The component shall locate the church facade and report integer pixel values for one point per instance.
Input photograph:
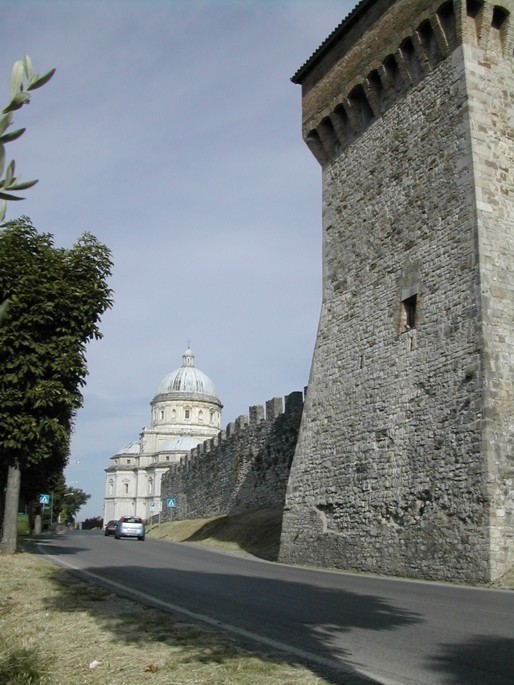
(185, 412)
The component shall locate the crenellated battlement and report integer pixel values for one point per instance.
(245, 466)
(364, 84)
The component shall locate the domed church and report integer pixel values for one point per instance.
(186, 411)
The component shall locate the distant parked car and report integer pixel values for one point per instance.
(130, 527)
(110, 528)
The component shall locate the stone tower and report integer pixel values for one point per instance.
(404, 463)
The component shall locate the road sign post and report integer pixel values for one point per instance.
(171, 504)
(156, 508)
(47, 500)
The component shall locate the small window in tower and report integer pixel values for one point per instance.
(186, 413)
(128, 461)
(408, 313)
(162, 414)
(200, 416)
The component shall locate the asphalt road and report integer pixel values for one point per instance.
(362, 629)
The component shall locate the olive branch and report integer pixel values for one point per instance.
(23, 81)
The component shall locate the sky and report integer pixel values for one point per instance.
(172, 132)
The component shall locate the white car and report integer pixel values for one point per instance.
(130, 527)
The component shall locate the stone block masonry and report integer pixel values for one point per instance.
(404, 462)
(245, 467)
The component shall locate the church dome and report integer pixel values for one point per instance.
(131, 448)
(187, 379)
(184, 443)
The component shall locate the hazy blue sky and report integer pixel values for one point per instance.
(172, 132)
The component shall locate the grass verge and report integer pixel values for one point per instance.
(58, 630)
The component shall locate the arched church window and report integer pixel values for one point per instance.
(212, 416)
(162, 414)
(111, 486)
(150, 486)
(200, 416)
(173, 414)
(187, 413)
(125, 487)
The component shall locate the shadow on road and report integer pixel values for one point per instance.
(312, 618)
(259, 600)
(482, 656)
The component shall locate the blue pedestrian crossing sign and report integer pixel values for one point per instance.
(171, 503)
(44, 499)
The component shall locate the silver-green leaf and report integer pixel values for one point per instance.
(20, 99)
(11, 198)
(14, 135)
(5, 122)
(16, 78)
(27, 64)
(37, 81)
(23, 186)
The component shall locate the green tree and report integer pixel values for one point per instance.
(67, 504)
(56, 298)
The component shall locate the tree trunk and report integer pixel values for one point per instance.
(12, 498)
(36, 530)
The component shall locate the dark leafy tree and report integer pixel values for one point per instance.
(56, 298)
(46, 476)
(95, 522)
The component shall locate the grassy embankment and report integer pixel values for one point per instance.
(256, 532)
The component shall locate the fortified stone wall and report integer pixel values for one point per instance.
(404, 458)
(245, 467)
